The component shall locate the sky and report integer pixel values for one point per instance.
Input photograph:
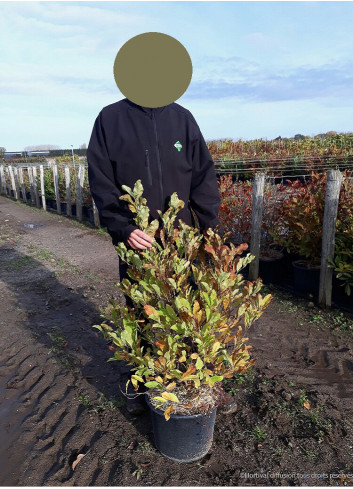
(260, 69)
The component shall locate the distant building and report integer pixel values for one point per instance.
(38, 153)
(12, 154)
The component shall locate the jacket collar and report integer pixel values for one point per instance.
(147, 110)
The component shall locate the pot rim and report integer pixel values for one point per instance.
(297, 263)
(279, 256)
(177, 416)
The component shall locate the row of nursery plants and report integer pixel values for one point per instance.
(292, 157)
(49, 184)
(334, 145)
(292, 220)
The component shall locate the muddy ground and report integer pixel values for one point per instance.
(60, 398)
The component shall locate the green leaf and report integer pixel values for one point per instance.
(199, 363)
(126, 336)
(158, 398)
(216, 378)
(151, 384)
(170, 396)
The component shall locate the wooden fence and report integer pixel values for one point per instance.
(11, 177)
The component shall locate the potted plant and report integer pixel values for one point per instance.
(235, 209)
(299, 230)
(343, 263)
(191, 306)
(235, 215)
(271, 255)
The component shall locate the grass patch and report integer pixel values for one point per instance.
(21, 262)
(58, 349)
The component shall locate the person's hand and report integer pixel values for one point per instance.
(138, 240)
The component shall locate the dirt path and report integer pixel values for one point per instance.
(60, 398)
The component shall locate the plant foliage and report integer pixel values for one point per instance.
(191, 306)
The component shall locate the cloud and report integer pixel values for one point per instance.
(253, 84)
(60, 15)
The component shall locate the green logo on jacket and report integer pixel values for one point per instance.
(178, 145)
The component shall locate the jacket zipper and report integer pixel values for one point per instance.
(148, 167)
(158, 159)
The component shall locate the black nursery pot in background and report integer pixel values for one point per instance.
(306, 280)
(85, 211)
(339, 295)
(271, 269)
(183, 438)
(91, 216)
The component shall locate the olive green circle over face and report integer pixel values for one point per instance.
(152, 69)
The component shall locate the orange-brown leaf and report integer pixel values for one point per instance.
(149, 309)
(78, 458)
(168, 412)
(190, 371)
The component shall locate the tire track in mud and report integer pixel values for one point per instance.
(43, 422)
(310, 357)
(47, 413)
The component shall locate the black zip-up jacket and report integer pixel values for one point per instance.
(164, 148)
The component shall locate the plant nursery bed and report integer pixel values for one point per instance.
(61, 401)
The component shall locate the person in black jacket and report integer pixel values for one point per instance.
(163, 147)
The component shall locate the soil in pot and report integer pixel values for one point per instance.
(306, 279)
(183, 438)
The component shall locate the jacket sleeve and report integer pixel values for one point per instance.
(114, 213)
(204, 194)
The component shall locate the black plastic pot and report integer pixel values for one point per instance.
(183, 438)
(85, 211)
(271, 269)
(91, 216)
(306, 280)
(49, 203)
(338, 293)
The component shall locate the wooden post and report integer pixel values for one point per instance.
(42, 188)
(256, 221)
(7, 180)
(79, 187)
(333, 187)
(15, 170)
(2, 180)
(23, 189)
(13, 182)
(30, 178)
(95, 214)
(56, 188)
(35, 186)
(68, 191)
